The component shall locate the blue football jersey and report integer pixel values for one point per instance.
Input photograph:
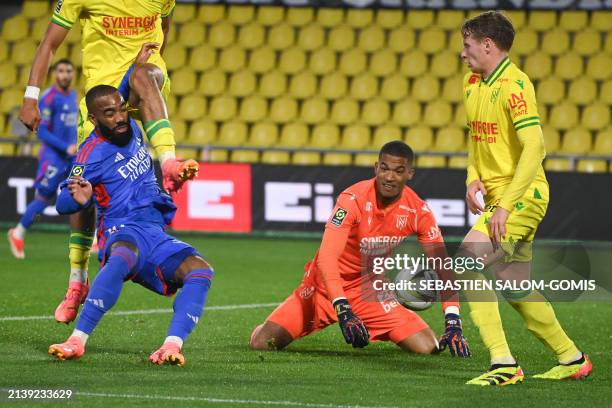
(58, 123)
(123, 180)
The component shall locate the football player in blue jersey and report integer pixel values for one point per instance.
(114, 171)
(58, 134)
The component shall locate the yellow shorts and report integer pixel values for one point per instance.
(85, 127)
(522, 222)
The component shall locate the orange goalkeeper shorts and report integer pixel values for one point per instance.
(308, 310)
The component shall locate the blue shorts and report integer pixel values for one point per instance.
(159, 254)
(49, 175)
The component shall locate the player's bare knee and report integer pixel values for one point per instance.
(426, 347)
(133, 248)
(145, 78)
(422, 342)
(269, 337)
(189, 264)
(84, 220)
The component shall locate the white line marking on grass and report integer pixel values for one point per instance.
(223, 401)
(146, 311)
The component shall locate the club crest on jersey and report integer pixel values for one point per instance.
(77, 170)
(401, 221)
(339, 216)
(494, 95)
(518, 104)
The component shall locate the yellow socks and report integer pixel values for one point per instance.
(79, 247)
(484, 311)
(160, 135)
(540, 319)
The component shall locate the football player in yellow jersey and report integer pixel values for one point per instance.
(506, 149)
(114, 33)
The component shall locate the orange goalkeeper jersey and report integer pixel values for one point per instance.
(358, 231)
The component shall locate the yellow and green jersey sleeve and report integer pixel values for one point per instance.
(521, 101)
(505, 146)
(67, 12)
(168, 8)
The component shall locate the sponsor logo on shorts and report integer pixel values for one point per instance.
(339, 217)
(77, 170)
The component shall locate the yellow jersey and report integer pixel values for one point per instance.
(506, 145)
(113, 32)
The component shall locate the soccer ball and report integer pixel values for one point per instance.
(413, 294)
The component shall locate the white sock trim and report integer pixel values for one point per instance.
(174, 339)
(20, 231)
(82, 335)
(78, 275)
(165, 156)
(575, 357)
(503, 360)
(451, 310)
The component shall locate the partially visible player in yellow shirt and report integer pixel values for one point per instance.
(506, 150)
(114, 33)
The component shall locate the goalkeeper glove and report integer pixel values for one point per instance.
(453, 337)
(353, 328)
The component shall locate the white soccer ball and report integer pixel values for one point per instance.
(411, 288)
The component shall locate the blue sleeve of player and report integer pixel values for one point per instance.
(44, 130)
(90, 171)
(124, 86)
(66, 204)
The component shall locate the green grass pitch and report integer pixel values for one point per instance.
(319, 371)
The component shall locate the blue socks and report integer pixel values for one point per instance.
(189, 302)
(34, 208)
(106, 288)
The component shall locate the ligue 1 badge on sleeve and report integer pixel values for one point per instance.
(59, 5)
(339, 216)
(77, 170)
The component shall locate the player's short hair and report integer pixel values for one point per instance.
(97, 92)
(399, 149)
(65, 61)
(490, 24)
